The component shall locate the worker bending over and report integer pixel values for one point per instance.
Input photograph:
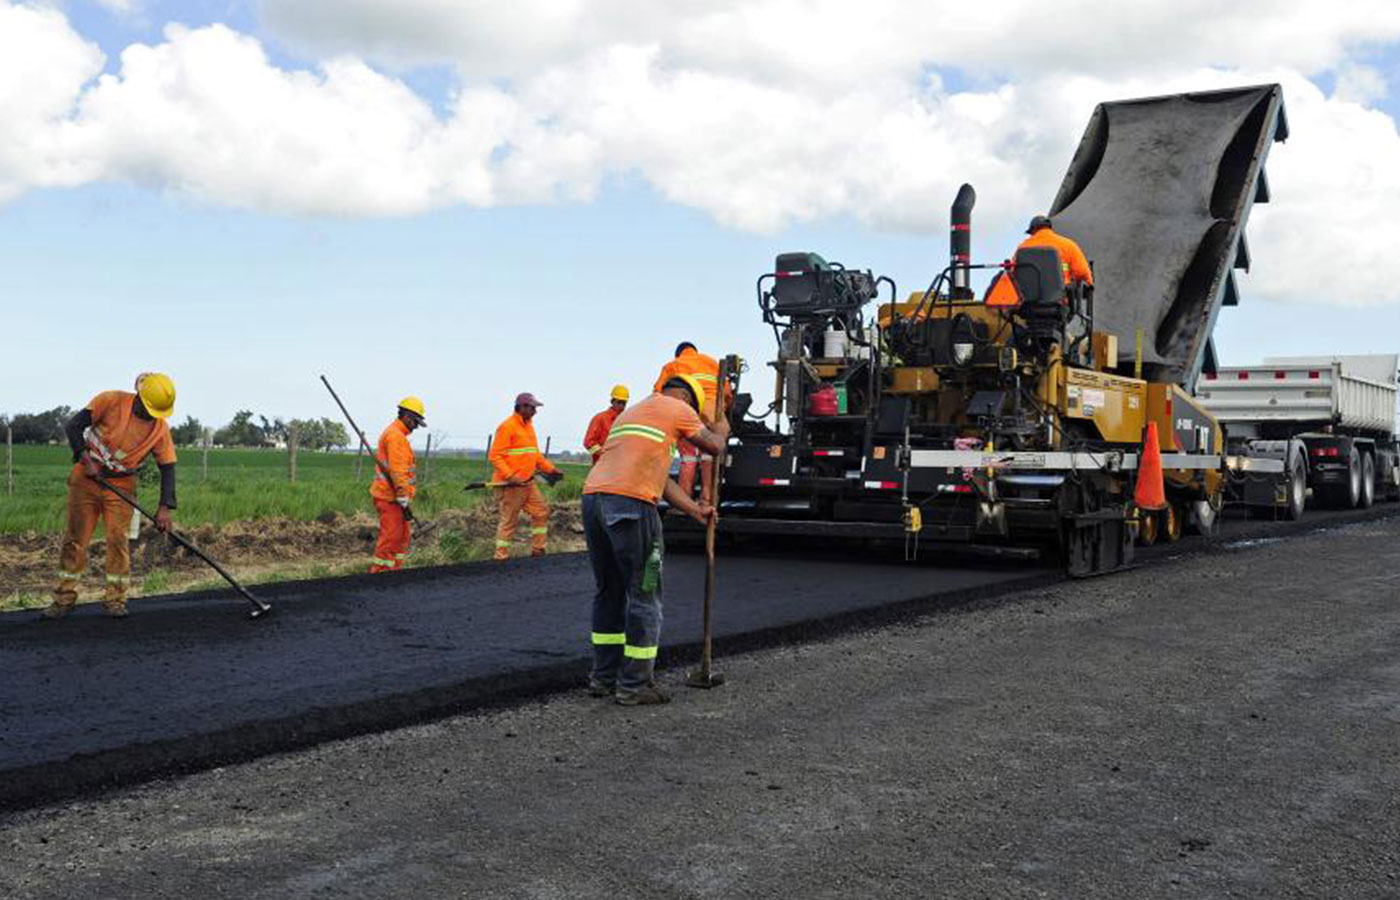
(515, 460)
(705, 370)
(111, 437)
(393, 494)
(1073, 262)
(623, 530)
(602, 423)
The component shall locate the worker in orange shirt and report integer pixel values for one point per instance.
(393, 494)
(623, 529)
(111, 437)
(1072, 259)
(601, 424)
(515, 460)
(705, 370)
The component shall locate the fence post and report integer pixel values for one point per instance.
(292, 455)
(547, 439)
(204, 464)
(9, 459)
(359, 461)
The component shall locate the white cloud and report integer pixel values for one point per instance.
(44, 64)
(763, 112)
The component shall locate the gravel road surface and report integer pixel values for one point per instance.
(1223, 724)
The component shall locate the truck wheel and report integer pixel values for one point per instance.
(1297, 491)
(1368, 482)
(1353, 495)
(1170, 525)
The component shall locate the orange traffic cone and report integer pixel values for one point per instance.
(1150, 493)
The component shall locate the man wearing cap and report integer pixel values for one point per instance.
(601, 424)
(395, 486)
(1072, 259)
(622, 526)
(515, 460)
(111, 437)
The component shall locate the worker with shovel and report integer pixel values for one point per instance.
(394, 486)
(515, 461)
(623, 529)
(111, 437)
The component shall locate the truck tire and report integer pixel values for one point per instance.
(1347, 495)
(1367, 495)
(1297, 490)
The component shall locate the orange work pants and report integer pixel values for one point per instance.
(394, 537)
(513, 500)
(87, 503)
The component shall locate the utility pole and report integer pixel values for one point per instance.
(9, 459)
(204, 465)
(427, 458)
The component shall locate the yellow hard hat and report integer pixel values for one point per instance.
(696, 389)
(157, 393)
(413, 405)
(619, 392)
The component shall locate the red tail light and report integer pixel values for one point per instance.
(1314, 374)
(1326, 451)
(1244, 376)
(1280, 375)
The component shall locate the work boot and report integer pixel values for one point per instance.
(57, 610)
(599, 689)
(115, 609)
(651, 695)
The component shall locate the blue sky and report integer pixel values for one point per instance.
(467, 304)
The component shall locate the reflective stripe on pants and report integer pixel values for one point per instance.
(621, 532)
(512, 500)
(87, 504)
(394, 537)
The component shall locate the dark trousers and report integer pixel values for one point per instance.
(621, 532)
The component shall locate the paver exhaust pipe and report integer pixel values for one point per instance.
(960, 241)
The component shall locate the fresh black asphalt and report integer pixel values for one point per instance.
(190, 682)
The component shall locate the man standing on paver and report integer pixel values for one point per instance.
(393, 499)
(623, 529)
(515, 460)
(111, 437)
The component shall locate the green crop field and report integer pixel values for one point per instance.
(248, 484)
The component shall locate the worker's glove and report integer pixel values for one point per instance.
(90, 467)
(554, 477)
(407, 509)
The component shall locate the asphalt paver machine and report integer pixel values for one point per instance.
(1014, 423)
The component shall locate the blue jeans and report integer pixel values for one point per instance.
(621, 532)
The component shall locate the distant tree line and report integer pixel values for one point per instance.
(310, 434)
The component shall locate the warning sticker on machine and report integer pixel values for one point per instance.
(1091, 399)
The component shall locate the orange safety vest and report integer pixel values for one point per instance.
(705, 369)
(515, 451)
(395, 453)
(1072, 259)
(597, 433)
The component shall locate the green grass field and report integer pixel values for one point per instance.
(248, 484)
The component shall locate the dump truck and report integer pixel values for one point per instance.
(1013, 429)
(1329, 420)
